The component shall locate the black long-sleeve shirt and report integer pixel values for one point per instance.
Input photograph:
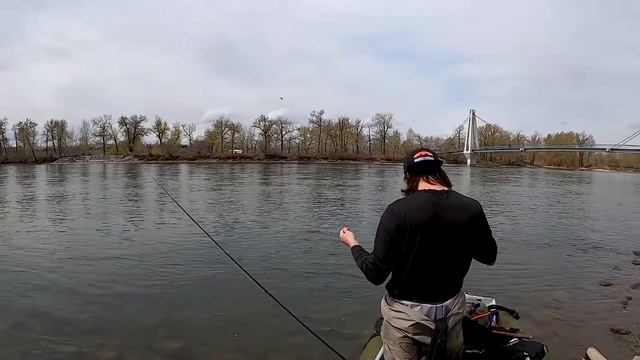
(426, 241)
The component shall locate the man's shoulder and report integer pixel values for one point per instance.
(417, 198)
(465, 200)
(397, 204)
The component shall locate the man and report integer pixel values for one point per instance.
(426, 241)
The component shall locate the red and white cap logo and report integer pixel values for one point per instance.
(422, 156)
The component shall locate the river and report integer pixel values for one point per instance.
(97, 262)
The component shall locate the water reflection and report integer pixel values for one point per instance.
(132, 196)
(7, 182)
(97, 261)
(26, 196)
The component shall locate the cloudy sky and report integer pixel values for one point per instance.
(526, 65)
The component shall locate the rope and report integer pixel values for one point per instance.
(255, 281)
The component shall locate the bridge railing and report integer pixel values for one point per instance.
(559, 146)
(516, 147)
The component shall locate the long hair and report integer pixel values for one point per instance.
(439, 178)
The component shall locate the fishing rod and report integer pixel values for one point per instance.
(255, 281)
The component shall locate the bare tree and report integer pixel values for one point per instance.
(210, 137)
(583, 139)
(4, 141)
(48, 132)
(56, 132)
(85, 136)
(305, 139)
(395, 139)
(27, 132)
(64, 133)
(457, 134)
(250, 139)
(491, 134)
(221, 128)
(330, 136)
(383, 123)
(519, 139)
(124, 123)
(290, 139)
(60, 134)
(433, 142)
(283, 128)
(235, 131)
(47, 136)
(189, 130)
(316, 119)
(73, 138)
(160, 128)
(133, 129)
(535, 139)
(412, 140)
(175, 136)
(101, 132)
(266, 128)
(369, 126)
(343, 124)
(113, 131)
(358, 133)
(16, 138)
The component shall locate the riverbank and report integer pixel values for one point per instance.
(594, 169)
(242, 158)
(203, 160)
(559, 168)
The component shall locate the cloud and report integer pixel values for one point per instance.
(524, 65)
(278, 112)
(210, 115)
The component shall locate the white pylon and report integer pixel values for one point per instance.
(471, 141)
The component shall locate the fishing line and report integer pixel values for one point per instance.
(255, 281)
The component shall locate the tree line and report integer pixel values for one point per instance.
(494, 135)
(319, 137)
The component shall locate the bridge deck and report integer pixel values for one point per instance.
(630, 149)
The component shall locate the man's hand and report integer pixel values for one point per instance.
(347, 237)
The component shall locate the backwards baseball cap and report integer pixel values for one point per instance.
(422, 161)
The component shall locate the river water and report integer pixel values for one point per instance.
(97, 262)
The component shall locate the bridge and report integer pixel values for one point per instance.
(472, 146)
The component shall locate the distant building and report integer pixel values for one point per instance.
(237, 151)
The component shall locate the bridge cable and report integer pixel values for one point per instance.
(464, 122)
(627, 139)
(255, 281)
(483, 120)
(452, 137)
